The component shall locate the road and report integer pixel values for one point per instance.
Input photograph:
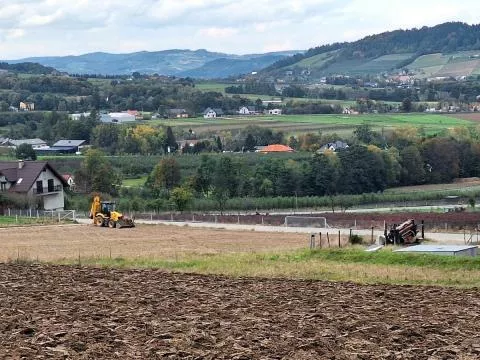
(440, 238)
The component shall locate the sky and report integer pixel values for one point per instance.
(73, 27)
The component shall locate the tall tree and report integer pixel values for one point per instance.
(165, 175)
(96, 174)
(413, 166)
(250, 143)
(25, 152)
(225, 181)
(203, 179)
(170, 142)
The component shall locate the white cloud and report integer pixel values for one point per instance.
(60, 27)
(215, 32)
(15, 33)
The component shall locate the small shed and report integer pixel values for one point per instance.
(449, 250)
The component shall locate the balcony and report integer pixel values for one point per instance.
(48, 190)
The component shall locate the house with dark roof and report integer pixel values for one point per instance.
(178, 113)
(334, 146)
(210, 113)
(78, 145)
(37, 180)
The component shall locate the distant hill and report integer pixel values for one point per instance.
(27, 68)
(449, 49)
(226, 67)
(199, 63)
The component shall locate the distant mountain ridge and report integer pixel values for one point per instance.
(198, 63)
(438, 50)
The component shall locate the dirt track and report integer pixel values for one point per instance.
(72, 313)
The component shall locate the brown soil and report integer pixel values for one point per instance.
(472, 116)
(52, 312)
(68, 242)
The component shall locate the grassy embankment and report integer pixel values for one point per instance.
(7, 221)
(352, 264)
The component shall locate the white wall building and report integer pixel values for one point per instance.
(117, 118)
(36, 180)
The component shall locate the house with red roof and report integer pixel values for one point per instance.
(276, 148)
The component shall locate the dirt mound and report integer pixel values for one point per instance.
(85, 313)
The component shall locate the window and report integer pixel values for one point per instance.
(39, 187)
(3, 186)
(51, 185)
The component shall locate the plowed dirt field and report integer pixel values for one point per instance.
(54, 312)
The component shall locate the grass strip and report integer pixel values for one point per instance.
(355, 265)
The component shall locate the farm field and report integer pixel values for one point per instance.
(466, 185)
(230, 252)
(470, 117)
(138, 182)
(60, 312)
(325, 123)
(53, 243)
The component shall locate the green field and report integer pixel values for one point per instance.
(340, 124)
(314, 61)
(135, 183)
(212, 86)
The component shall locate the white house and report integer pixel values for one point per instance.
(210, 113)
(36, 180)
(247, 110)
(117, 118)
(79, 116)
(334, 146)
(275, 112)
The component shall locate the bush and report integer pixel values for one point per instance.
(356, 240)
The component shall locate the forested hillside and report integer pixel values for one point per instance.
(446, 38)
(27, 68)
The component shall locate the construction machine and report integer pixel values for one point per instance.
(405, 233)
(104, 213)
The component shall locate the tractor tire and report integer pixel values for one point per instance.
(112, 224)
(98, 221)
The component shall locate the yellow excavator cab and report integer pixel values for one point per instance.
(104, 213)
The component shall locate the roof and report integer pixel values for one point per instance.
(436, 248)
(69, 143)
(218, 111)
(66, 177)
(249, 108)
(29, 174)
(57, 148)
(277, 148)
(335, 145)
(35, 141)
(177, 111)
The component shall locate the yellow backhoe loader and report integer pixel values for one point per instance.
(103, 213)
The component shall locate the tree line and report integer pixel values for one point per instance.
(369, 165)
